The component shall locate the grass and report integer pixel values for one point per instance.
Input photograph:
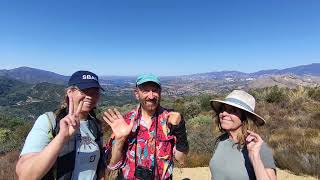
(7, 165)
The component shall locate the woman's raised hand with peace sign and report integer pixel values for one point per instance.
(71, 123)
(121, 129)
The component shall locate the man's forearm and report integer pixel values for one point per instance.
(117, 151)
(182, 145)
(180, 157)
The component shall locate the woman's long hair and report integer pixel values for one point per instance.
(247, 124)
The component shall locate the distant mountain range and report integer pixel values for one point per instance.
(27, 92)
(33, 76)
(19, 99)
(211, 82)
(303, 70)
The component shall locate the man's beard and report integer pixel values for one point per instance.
(149, 105)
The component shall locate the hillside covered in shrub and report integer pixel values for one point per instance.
(292, 128)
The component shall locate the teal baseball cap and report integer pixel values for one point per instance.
(148, 78)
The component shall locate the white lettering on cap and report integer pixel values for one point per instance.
(89, 77)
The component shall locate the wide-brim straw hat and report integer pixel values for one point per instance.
(242, 100)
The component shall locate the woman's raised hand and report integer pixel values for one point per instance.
(71, 123)
(254, 143)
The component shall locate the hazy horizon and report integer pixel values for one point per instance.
(154, 73)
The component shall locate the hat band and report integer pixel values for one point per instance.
(240, 103)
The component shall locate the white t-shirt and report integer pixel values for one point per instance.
(87, 150)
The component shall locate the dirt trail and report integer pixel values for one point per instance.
(203, 173)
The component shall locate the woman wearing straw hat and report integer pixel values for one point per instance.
(239, 152)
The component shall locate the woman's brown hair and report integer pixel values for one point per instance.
(247, 124)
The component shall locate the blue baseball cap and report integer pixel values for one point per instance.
(84, 80)
(148, 78)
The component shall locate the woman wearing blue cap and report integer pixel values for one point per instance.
(240, 153)
(67, 143)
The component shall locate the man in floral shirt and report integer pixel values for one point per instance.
(146, 139)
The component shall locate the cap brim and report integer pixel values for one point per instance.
(216, 106)
(89, 85)
(148, 80)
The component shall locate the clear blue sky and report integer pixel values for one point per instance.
(166, 37)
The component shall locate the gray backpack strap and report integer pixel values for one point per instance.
(52, 123)
(52, 174)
